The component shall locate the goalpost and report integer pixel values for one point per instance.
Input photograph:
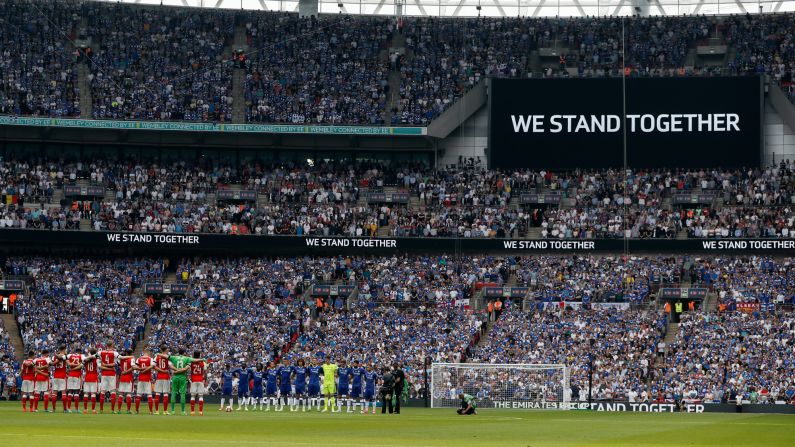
(501, 386)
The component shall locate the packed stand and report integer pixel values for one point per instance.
(590, 279)
(437, 280)
(161, 64)
(38, 75)
(759, 281)
(9, 366)
(459, 203)
(169, 63)
(718, 358)
(763, 44)
(741, 222)
(619, 343)
(318, 70)
(333, 199)
(239, 312)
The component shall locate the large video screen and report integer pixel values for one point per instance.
(583, 123)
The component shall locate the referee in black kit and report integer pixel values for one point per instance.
(387, 386)
(400, 380)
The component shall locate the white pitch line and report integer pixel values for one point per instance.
(214, 441)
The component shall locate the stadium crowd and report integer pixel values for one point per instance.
(754, 279)
(9, 366)
(37, 72)
(331, 70)
(163, 64)
(619, 343)
(720, 357)
(178, 63)
(590, 279)
(337, 199)
(246, 311)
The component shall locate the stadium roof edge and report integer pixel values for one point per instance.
(497, 8)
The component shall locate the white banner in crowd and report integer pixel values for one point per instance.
(577, 305)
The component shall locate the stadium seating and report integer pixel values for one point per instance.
(163, 64)
(619, 344)
(334, 199)
(329, 71)
(337, 69)
(715, 357)
(38, 76)
(8, 361)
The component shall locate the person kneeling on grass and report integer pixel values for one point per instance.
(468, 404)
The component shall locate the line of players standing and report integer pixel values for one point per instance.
(107, 373)
(299, 386)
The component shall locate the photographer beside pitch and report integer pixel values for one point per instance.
(468, 404)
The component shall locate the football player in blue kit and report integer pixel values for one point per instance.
(271, 376)
(314, 384)
(299, 385)
(243, 375)
(370, 382)
(226, 386)
(257, 377)
(356, 385)
(285, 385)
(343, 386)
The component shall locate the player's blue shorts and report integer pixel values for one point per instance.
(226, 393)
(242, 393)
(299, 389)
(342, 389)
(314, 389)
(369, 393)
(356, 391)
(270, 390)
(285, 390)
(257, 392)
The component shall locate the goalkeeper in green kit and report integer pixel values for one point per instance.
(179, 364)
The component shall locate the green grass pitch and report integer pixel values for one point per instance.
(415, 428)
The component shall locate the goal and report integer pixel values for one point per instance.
(501, 386)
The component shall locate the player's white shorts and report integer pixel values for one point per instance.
(58, 385)
(125, 387)
(162, 386)
(108, 383)
(90, 387)
(27, 386)
(73, 383)
(41, 387)
(144, 388)
(197, 388)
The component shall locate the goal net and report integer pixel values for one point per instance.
(500, 386)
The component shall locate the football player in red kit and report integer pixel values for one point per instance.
(91, 380)
(41, 383)
(198, 369)
(74, 375)
(125, 379)
(163, 381)
(108, 358)
(58, 362)
(144, 365)
(28, 376)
